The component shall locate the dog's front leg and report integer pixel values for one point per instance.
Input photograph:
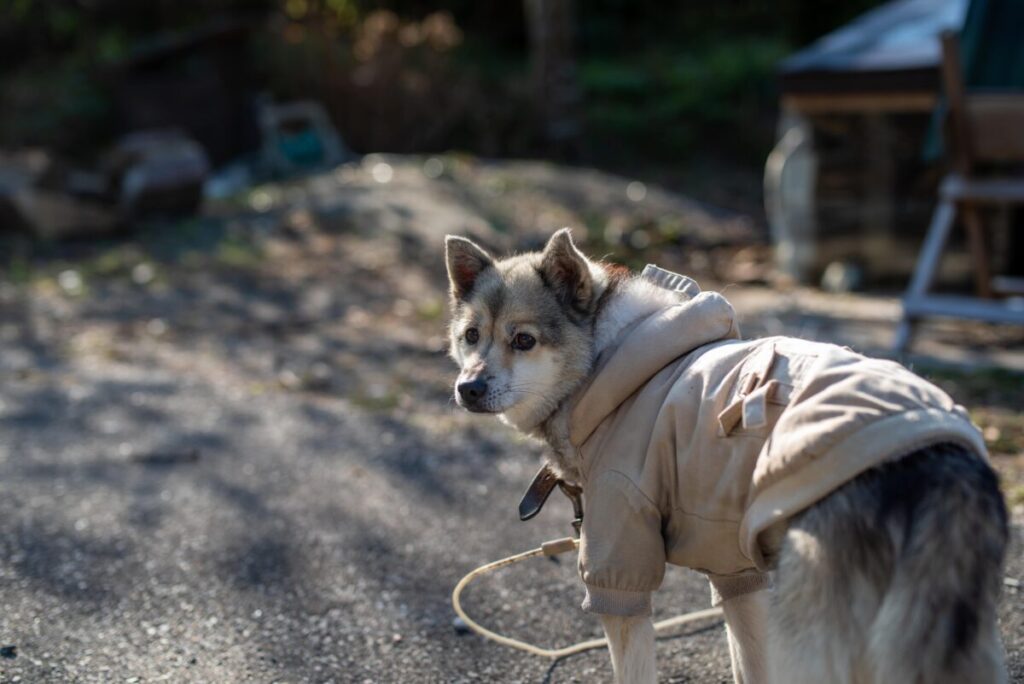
(746, 620)
(631, 643)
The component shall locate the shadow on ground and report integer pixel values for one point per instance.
(241, 463)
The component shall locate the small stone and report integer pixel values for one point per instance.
(70, 281)
(460, 626)
(143, 273)
(289, 379)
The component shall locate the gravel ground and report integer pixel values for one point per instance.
(246, 467)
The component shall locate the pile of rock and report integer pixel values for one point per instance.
(146, 173)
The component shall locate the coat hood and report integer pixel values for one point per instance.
(649, 345)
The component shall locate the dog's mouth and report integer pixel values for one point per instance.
(474, 407)
(479, 409)
(478, 406)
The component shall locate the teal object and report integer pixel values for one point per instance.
(992, 50)
(303, 148)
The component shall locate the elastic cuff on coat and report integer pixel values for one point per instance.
(725, 587)
(616, 602)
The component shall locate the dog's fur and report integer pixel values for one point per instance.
(892, 578)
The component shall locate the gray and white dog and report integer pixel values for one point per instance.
(893, 577)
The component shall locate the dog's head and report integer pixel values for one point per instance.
(521, 327)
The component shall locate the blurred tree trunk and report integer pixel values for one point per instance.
(550, 25)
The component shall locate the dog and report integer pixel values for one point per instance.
(842, 508)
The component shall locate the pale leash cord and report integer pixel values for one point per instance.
(551, 548)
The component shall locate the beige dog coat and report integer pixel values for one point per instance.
(694, 443)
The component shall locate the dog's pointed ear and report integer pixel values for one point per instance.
(567, 271)
(466, 261)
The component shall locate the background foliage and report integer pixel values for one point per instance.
(663, 80)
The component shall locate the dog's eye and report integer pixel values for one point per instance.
(523, 341)
(472, 336)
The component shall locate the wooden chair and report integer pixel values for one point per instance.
(982, 129)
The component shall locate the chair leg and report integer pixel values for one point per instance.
(924, 271)
(904, 331)
(979, 250)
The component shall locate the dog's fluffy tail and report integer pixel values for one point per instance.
(895, 577)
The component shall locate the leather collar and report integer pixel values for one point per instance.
(544, 482)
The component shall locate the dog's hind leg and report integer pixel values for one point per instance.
(895, 577)
(631, 644)
(820, 611)
(948, 523)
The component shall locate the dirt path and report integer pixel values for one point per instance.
(239, 462)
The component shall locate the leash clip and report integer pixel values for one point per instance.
(575, 495)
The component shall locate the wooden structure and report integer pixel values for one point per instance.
(982, 129)
(201, 81)
(846, 182)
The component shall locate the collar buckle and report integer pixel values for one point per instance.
(540, 489)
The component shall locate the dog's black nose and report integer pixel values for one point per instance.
(472, 391)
